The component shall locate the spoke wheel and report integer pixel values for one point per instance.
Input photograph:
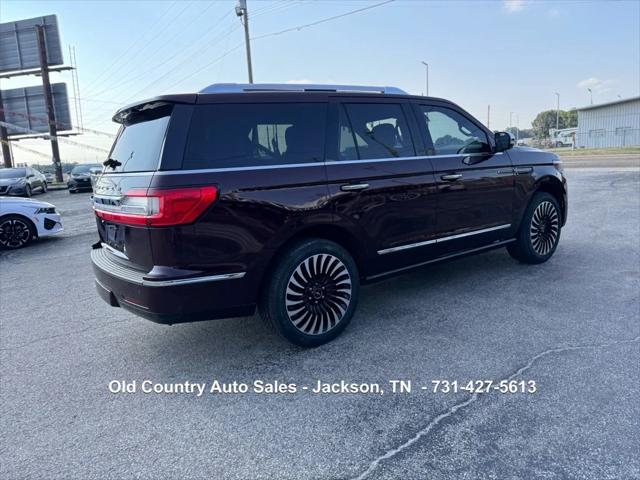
(545, 227)
(318, 294)
(14, 233)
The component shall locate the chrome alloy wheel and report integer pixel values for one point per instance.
(318, 294)
(14, 233)
(545, 227)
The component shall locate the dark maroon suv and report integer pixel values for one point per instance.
(289, 197)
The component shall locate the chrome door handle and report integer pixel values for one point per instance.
(523, 170)
(451, 177)
(354, 186)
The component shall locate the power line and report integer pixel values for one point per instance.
(27, 149)
(169, 72)
(300, 27)
(98, 80)
(118, 85)
(159, 32)
(47, 136)
(318, 22)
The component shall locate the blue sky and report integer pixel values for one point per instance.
(512, 55)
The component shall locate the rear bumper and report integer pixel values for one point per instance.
(170, 300)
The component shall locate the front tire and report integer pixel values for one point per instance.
(539, 231)
(44, 187)
(15, 232)
(27, 191)
(312, 293)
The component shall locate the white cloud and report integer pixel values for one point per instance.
(597, 85)
(513, 6)
(302, 80)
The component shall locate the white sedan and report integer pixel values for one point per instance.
(23, 219)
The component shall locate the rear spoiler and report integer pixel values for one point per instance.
(151, 103)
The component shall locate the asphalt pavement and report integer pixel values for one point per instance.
(571, 325)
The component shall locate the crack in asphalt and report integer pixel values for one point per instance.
(452, 410)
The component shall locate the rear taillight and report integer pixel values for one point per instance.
(158, 208)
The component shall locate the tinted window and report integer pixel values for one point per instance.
(379, 131)
(452, 133)
(12, 172)
(236, 135)
(140, 141)
(347, 149)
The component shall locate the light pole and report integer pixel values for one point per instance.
(557, 110)
(591, 94)
(241, 11)
(427, 76)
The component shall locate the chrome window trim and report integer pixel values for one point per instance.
(308, 164)
(442, 239)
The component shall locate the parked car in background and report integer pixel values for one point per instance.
(22, 220)
(288, 197)
(49, 177)
(23, 181)
(80, 177)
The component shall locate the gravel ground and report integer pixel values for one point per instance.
(571, 325)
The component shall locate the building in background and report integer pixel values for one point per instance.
(611, 124)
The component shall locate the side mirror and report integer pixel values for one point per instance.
(31, 175)
(504, 141)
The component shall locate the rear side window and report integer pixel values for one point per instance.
(139, 143)
(374, 131)
(239, 135)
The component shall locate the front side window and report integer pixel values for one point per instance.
(238, 135)
(452, 133)
(370, 131)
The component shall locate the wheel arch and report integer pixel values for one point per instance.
(553, 186)
(334, 233)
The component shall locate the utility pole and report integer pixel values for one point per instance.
(241, 11)
(4, 137)
(511, 122)
(427, 76)
(591, 94)
(557, 111)
(48, 97)
(489, 116)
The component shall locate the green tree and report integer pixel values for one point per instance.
(546, 120)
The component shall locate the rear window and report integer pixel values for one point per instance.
(239, 135)
(139, 143)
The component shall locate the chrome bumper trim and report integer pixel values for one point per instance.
(103, 262)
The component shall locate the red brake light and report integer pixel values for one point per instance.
(158, 208)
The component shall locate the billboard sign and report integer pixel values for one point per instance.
(19, 43)
(26, 109)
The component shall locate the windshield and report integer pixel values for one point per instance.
(13, 172)
(84, 168)
(140, 141)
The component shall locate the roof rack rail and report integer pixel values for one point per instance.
(296, 87)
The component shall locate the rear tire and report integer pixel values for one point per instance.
(16, 232)
(312, 293)
(539, 231)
